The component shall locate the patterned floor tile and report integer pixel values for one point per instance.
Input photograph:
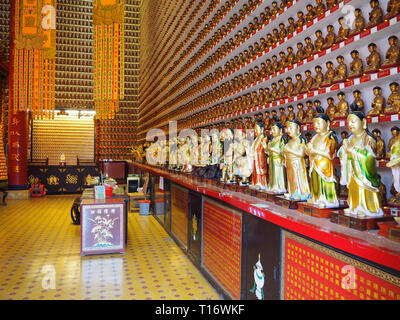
(38, 239)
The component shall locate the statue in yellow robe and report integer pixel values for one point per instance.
(322, 152)
(294, 153)
(359, 170)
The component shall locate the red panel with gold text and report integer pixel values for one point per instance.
(180, 214)
(222, 246)
(314, 272)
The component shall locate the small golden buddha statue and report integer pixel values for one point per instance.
(309, 112)
(319, 42)
(331, 109)
(292, 27)
(380, 145)
(358, 101)
(275, 8)
(356, 66)
(268, 13)
(283, 61)
(330, 38)
(291, 115)
(255, 99)
(282, 31)
(309, 48)
(376, 14)
(289, 87)
(343, 31)
(331, 3)
(342, 107)
(300, 55)
(268, 67)
(282, 116)
(378, 104)
(275, 35)
(273, 116)
(274, 91)
(267, 120)
(340, 71)
(268, 98)
(300, 113)
(290, 58)
(319, 8)
(281, 90)
(310, 15)
(344, 135)
(373, 60)
(318, 78)
(393, 53)
(308, 82)
(329, 75)
(284, 4)
(261, 95)
(275, 64)
(263, 71)
(270, 40)
(395, 136)
(359, 22)
(393, 9)
(263, 19)
(298, 89)
(263, 45)
(393, 101)
(300, 20)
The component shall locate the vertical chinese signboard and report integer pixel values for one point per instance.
(102, 226)
(180, 212)
(222, 246)
(17, 150)
(313, 272)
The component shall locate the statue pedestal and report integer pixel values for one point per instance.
(260, 194)
(354, 76)
(392, 210)
(313, 211)
(230, 186)
(354, 222)
(392, 65)
(243, 189)
(384, 227)
(271, 196)
(367, 72)
(288, 203)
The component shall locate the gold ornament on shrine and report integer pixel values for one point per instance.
(34, 57)
(109, 53)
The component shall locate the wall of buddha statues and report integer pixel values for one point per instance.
(74, 71)
(115, 137)
(249, 60)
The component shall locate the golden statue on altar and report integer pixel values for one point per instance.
(294, 152)
(359, 169)
(322, 152)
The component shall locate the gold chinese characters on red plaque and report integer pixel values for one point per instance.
(109, 53)
(34, 56)
(313, 272)
(222, 246)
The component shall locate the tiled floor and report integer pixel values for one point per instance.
(38, 240)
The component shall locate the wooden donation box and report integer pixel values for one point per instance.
(102, 226)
